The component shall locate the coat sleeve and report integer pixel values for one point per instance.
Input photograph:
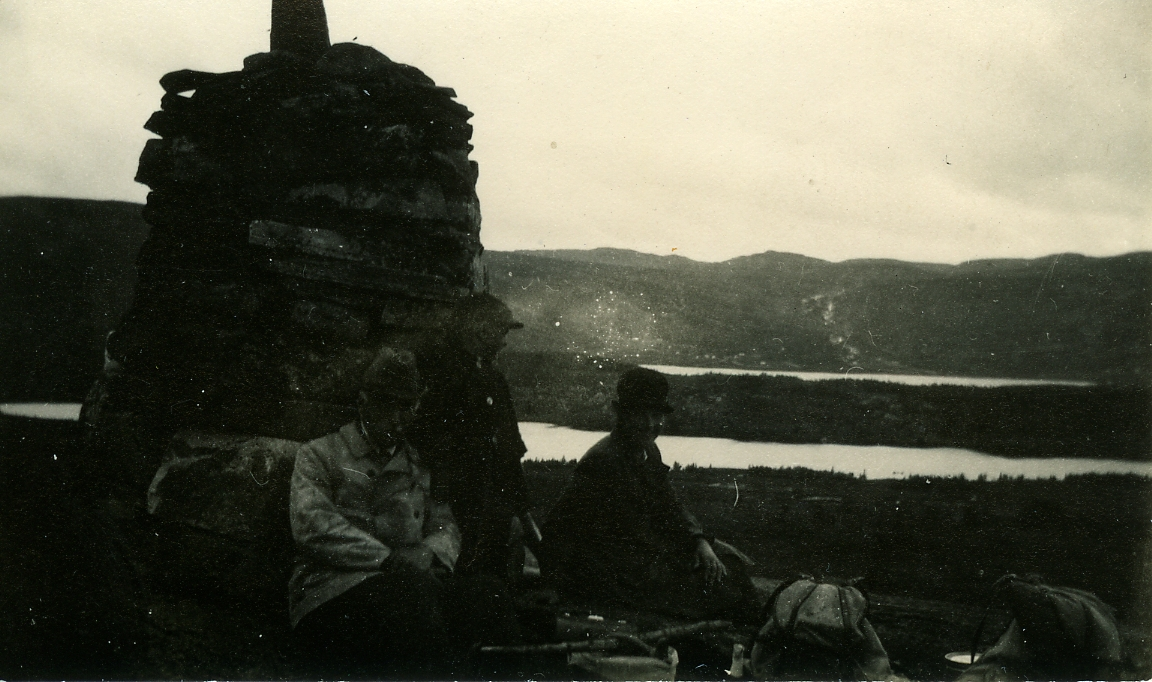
(676, 519)
(587, 511)
(687, 521)
(512, 447)
(441, 535)
(321, 531)
(563, 530)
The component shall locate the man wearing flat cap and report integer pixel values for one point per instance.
(372, 592)
(619, 535)
(470, 435)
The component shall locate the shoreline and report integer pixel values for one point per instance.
(555, 443)
(1105, 422)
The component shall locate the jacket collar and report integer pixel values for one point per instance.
(458, 358)
(634, 449)
(360, 447)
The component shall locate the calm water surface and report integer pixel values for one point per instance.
(549, 442)
(546, 441)
(909, 379)
(64, 411)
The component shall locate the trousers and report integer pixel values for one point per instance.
(404, 623)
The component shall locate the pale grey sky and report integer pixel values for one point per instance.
(920, 131)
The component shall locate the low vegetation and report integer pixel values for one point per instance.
(929, 538)
(928, 549)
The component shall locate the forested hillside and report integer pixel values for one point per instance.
(1063, 316)
(67, 275)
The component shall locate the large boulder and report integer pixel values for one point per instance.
(222, 501)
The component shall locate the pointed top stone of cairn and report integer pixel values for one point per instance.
(301, 27)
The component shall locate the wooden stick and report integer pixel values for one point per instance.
(680, 630)
(601, 644)
(611, 641)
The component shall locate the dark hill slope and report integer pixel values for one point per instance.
(67, 276)
(1063, 316)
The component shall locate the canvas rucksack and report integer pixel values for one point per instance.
(1055, 633)
(818, 630)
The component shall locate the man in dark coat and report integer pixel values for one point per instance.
(620, 536)
(469, 433)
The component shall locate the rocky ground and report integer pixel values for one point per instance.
(92, 589)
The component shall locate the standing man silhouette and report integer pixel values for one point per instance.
(470, 435)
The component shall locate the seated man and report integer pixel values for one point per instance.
(619, 536)
(371, 592)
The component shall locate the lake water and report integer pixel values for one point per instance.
(546, 442)
(65, 411)
(909, 379)
(549, 442)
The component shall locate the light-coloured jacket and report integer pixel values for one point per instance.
(350, 505)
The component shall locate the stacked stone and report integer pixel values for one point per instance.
(303, 211)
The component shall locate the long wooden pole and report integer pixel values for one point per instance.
(610, 642)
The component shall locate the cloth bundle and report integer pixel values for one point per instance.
(1055, 633)
(818, 630)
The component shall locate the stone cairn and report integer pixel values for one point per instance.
(305, 211)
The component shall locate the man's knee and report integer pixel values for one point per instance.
(389, 617)
(480, 609)
(410, 600)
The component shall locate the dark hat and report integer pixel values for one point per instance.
(392, 373)
(643, 388)
(484, 308)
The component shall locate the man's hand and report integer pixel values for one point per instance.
(417, 556)
(714, 569)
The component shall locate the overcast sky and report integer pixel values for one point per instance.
(918, 131)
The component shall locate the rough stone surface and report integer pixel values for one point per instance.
(219, 504)
(228, 485)
(305, 211)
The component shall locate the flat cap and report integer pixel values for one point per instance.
(392, 373)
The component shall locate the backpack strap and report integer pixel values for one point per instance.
(845, 628)
(1089, 628)
(856, 583)
(791, 629)
(771, 603)
(997, 589)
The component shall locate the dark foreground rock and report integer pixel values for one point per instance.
(92, 588)
(96, 588)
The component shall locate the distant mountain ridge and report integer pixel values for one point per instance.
(68, 274)
(1063, 316)
(66, 277)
